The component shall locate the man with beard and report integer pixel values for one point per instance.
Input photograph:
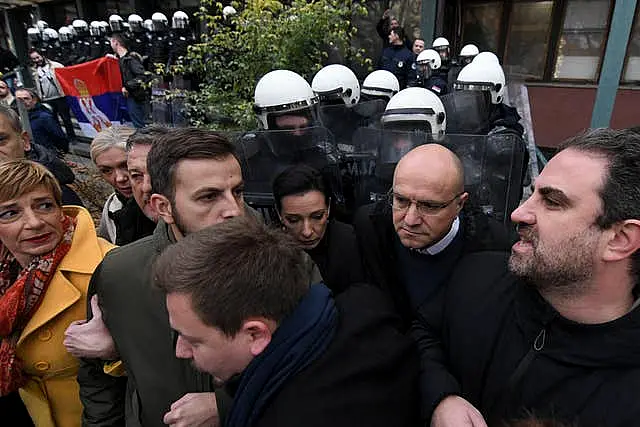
(197, 182)
(553, 329)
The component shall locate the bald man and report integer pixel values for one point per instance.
(411, 242)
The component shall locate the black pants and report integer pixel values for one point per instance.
(61, 109)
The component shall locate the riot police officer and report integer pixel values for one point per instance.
(467, 53)
(380, 85)
(83, 43)
(181, 38)
(116, 24)
(286, 108)
(137, 36)
(441, 45)
(96, 46)
(68, 54)
(428, 67)
(159, 41)
(485, 74)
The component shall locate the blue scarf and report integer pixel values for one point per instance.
(300, 339)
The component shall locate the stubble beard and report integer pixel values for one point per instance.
(564, 270)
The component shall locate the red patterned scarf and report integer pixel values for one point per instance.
(20, 298)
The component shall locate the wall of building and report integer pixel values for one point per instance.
(559, 112)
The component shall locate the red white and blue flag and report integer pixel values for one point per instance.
(94, 93)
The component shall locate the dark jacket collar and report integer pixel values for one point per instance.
(607, 345)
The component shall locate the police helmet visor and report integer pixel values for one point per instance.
(482, 86)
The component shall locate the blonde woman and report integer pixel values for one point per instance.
(122, 220)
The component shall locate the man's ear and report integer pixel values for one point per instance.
(259, 333)
(162, 206)
(624, 240)
(26, 140)
(463, 198)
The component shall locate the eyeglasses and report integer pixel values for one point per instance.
(424, 207)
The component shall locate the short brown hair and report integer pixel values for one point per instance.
(19, 177)
(233, 271)
(179, 144)
(145, 136)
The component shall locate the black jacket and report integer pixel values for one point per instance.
(398, 60)
(509, 353)
(366, 377)
(137, 318)
(59, 169)
(383, 29)
(376, 239)
(134, 76)
(338, 258)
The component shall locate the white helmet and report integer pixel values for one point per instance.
(42, 25)
(180, 20)
(336, 81)
(485, 76)
(148, 24)
(418, 105)
(33, 34)
(65, 34)
(486, 57)
(104, 27)
(135, 23)
(50, 34)
(115, 22)
(94, 28)
(431, 58)
(228, 11)
(281, 91)
(440, 42)
(160, 21)
(80, 26)
(381, 83)
(441, 45)
(469, 50)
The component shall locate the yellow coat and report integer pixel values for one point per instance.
(51, 393)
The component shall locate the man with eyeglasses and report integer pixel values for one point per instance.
(411, 242)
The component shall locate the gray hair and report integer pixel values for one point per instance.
(111, 137)
(12, 117)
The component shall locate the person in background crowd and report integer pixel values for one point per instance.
(8, 61)
(411, 242)
(553, 329)
(122, 220)
(138, 147)
(289, 354)
(45, 128)
(418, 46)
(133, 80)
(47, 256)
(397, 58)
(303, 204)
(49, 90)
(384, 27)
(6, 97)
(16, 144)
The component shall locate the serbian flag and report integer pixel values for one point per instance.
(94, 93)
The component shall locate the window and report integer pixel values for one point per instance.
(482, 25)
(582, 40)
(528, 39)
(632, 68)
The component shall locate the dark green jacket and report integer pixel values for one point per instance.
(136, 315)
